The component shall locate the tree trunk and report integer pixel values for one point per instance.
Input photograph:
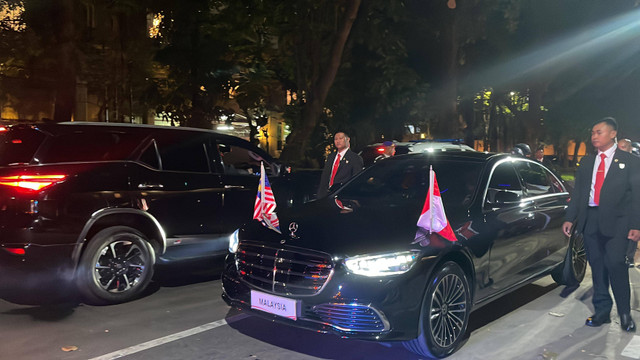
(298, 140)
(576, 150)
(448, 124)
(66, 84)
(534, 130)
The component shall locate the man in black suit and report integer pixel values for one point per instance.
(605, 205)
(337, 171)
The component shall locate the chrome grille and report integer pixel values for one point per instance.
(290, 271)
(348, 317)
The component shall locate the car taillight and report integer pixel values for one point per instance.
(380, 149)
(15, 251)
(31, 182)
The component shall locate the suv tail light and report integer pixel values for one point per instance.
(31, 182)
(20, 251)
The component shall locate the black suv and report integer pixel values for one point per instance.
(100, 204)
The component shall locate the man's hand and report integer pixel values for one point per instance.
(634, 235)
(566, 228)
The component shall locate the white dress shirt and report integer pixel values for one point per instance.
(607, 163)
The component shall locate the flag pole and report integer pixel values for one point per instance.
(431, 193)
(262, 186)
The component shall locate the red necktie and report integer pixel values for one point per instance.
(335, 169)
(599, 180)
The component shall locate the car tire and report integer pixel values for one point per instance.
(445, 313)
(572, 270)
(116, 266)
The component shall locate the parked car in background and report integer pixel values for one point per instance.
(355, 264)
(370, 152)
(100, 204)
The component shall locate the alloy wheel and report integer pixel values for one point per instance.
(119, 266)
(448, 310)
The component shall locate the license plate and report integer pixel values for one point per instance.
(273, 304)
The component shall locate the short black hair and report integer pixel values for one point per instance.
(609, 121)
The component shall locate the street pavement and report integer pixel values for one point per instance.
(183, 317)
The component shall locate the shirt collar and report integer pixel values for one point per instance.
(609, 152)
(342, 153)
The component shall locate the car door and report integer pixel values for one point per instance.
(239, 165)
(510, 217)
(176, 185)
(550, 201)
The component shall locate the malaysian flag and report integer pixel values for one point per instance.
(265, 206)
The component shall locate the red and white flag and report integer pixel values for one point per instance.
(433, 219)
(265, 206)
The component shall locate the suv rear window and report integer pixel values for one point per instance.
(89, 146)
(19, 144)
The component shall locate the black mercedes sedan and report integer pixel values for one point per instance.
(356, 264)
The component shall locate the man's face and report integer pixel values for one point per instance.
(390, 150)
(539, 154)
(341, 141)
(603, 136)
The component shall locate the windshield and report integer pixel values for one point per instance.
(405, 183)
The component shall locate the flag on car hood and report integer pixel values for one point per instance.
(265, 206)
(433, 218)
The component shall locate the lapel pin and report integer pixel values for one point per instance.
(621, 165)
(615, 160)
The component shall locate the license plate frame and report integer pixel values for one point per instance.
(275, 305)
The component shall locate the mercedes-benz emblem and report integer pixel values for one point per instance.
(293, 227)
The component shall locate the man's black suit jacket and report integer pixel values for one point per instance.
(619, 196)
(350, 165)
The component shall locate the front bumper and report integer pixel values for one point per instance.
(354, 306)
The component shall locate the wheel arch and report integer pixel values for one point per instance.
(466, 264)
(137, 219)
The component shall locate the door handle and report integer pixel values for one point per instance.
(150, 186)
(234, 187)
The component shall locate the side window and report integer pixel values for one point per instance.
(150, 156)
(535, 178)
(187, 153)
(241, 160)
(504, 185)
(90, 145)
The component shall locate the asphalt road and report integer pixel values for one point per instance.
(183, 317)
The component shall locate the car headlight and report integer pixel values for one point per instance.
(233, 242)
(382, 265)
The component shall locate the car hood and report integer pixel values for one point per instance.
(330, 226)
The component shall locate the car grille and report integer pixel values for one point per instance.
(290, 271)
(348, 317)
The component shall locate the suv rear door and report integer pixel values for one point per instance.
(176, 185)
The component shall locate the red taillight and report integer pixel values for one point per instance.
(15, 251)
(31, 182)
(16, 141)
(380, 149)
